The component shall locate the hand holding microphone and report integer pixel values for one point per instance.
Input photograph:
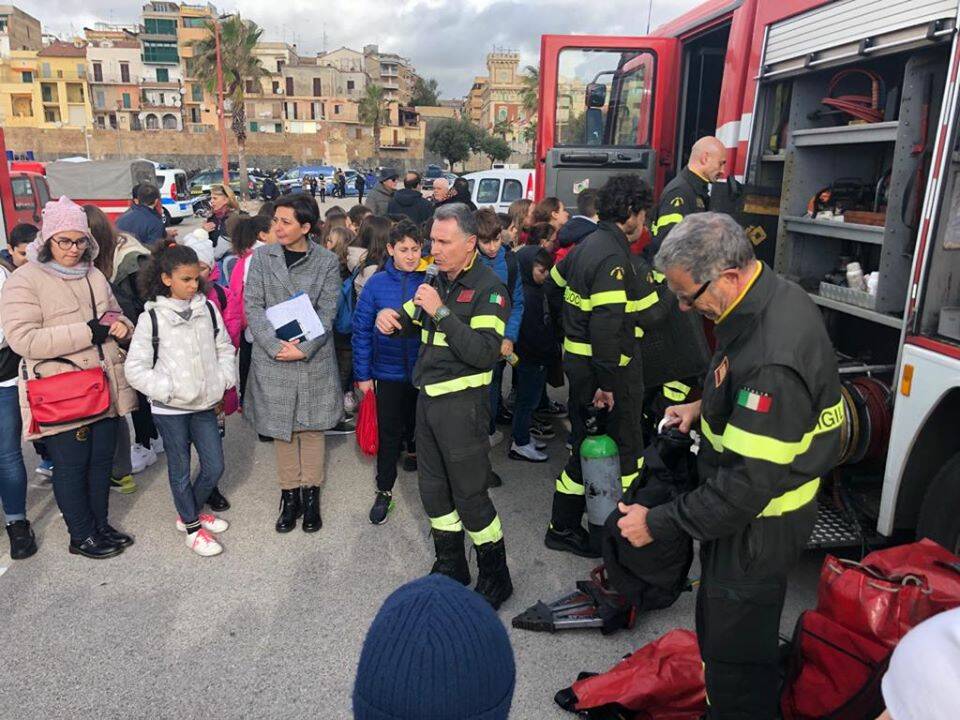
(427, 299)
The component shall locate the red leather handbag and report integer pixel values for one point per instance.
(71, 396)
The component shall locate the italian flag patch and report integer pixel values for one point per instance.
(497, 299)
(753, 400)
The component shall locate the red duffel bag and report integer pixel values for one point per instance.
(368, 437)
(662, 680)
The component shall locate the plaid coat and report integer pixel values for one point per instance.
(282, 397)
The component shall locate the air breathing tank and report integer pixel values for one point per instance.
(600, 465)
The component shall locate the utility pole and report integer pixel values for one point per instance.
(224, 157)
(649, 15)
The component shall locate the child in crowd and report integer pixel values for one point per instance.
(503, 262)
(13, 475)
(384, 364)
(181, 358)
(16, 255)
(249, 234)
(537, 348)
(294, 393)
(338, 240)
(373, 237)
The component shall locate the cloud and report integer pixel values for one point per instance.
(445, 39)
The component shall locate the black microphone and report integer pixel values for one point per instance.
(431, 279)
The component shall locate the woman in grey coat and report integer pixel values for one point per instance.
(293, 392)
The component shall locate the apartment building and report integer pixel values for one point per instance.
(18, 31)
(199, 104)
(114, 72)
(391, 71)
(161, 87)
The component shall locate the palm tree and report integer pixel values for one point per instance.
(530, 95)
(372, 110)
(501, 128)
(238, 38)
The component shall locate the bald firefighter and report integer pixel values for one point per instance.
(770, 417)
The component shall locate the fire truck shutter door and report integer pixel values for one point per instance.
(839, 32)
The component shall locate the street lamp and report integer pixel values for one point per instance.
(221, 126)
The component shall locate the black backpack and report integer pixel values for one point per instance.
(155, 334)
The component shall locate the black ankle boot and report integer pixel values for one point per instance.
(217, 502)
(23, 544)
(451, 556)
(493, 581)
(290, 510)
(311, 509)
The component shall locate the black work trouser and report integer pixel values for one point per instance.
(454, 463)
(743, 582)
(623, 424)
(396, 423)
(144, 429)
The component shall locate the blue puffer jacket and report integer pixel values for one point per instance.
(499, 266)
(375, 355)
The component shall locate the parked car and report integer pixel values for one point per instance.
(292, 179)
(499, 188)
(174, 194)
(200, 183)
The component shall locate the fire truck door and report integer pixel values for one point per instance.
(607, 106)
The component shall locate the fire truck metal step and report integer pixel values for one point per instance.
(835, 528)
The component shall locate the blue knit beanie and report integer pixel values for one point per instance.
(436, 651)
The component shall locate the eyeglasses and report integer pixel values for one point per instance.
(66, 243)
(689, 300)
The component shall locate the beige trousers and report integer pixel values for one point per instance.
(300, 461)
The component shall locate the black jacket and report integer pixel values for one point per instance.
(537, 343)
(575, 230)
(771, 416)
(686, 194)
(459, 352)
(412, 204)
(601, 299)
(459, 198)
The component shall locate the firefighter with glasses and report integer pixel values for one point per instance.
(770, 418)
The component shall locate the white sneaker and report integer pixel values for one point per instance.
(527, 452)
(209, 522)
(496, 438)
(156, 444)
(203, 543)
(141, 458)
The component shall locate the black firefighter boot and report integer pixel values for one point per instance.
(451, 556)
(290, 510)
(311, 509)
(493, 583)
(565, 533)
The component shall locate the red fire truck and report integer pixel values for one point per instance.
(840, 121)
(23, 194)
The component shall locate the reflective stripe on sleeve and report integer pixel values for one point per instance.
(676, 391)
(664, 221)
(566, 485)
(447, 523)
(439, 338)
(586, 350)
(489, 322)
(557, 277)
(609, 297)
(491, 533)
(456, 384)
(781, 452)
(643, 303)
(627, 480)
(792, 499)
(409, 308)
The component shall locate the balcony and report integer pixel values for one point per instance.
(50, 74)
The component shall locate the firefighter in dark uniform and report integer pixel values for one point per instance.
(770, 418)
(689, 191)
(461, 326)
(601, 299)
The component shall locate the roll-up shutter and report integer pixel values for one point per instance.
(849, 29)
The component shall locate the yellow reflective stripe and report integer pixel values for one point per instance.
(439, 338)
(763, 447)
(609, 297)
(567, 485)
(792, 499)
(640, 463)
(447, 523)
(457, 384)
(409, 308)
(491, 322)
(638, 332)
(569, 296)
(643, 303)
(586, 350)
(657, 276)
(491, 533)
(676, 391)
(626, 480)
(713, 438)
(664, 220)
(557, 277)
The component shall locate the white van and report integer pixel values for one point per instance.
(500, 188)
(174, 195)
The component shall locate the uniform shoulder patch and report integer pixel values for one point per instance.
(700, 204)
(754, 400)
(617, 273)
(677, 202)
(498, 299)
(720, 373)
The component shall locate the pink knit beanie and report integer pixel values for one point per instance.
(63, 215)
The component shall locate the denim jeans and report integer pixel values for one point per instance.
(13, 476)
(82, 459)
(180, 431)
(122, 464)
(531, 381)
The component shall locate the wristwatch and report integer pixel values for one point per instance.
(441, 313)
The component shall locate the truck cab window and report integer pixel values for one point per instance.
(22, 193)
(604, 97)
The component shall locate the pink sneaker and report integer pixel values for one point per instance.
(208, 521)
(203, 543)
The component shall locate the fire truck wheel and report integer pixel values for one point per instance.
(939, 519)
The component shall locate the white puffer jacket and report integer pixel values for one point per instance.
(193, 369)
